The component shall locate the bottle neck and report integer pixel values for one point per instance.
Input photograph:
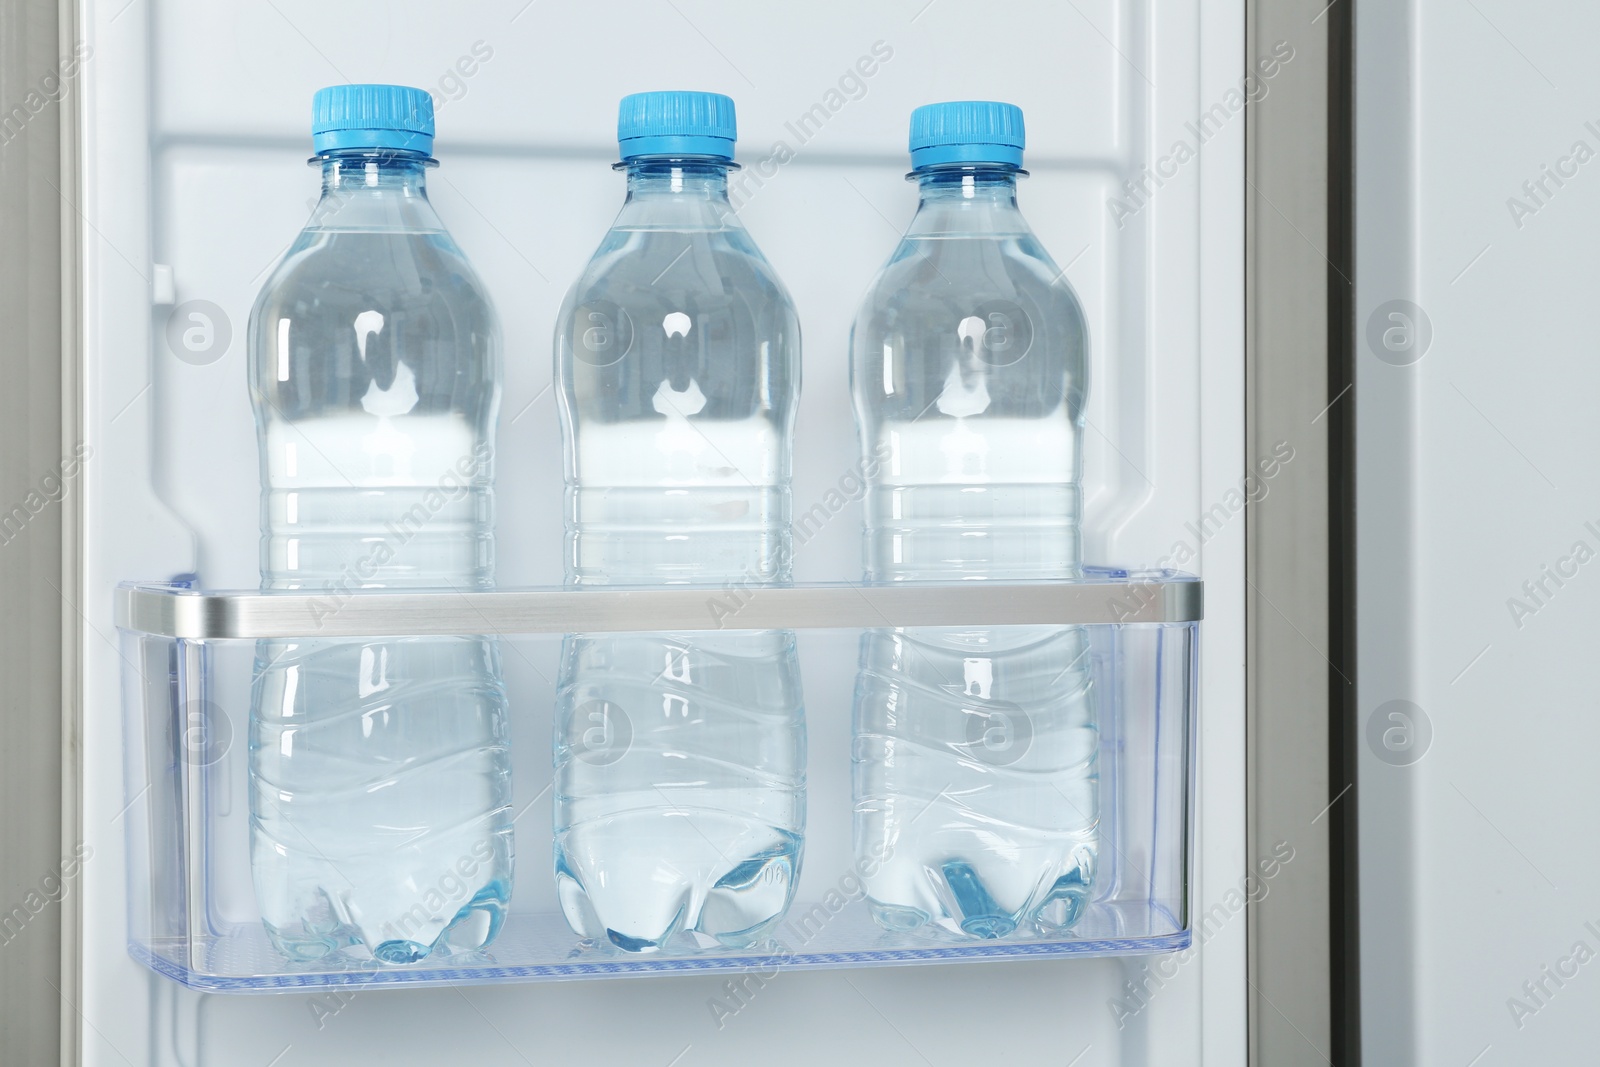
(374, 189)
(676, 194)
(967, 199)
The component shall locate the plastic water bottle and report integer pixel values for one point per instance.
(379, 768)
(680, 757)
(975, 749)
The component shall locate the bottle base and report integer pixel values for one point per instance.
(471, 929)
(736, 912)
(961, 903)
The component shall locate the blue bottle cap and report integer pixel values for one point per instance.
(676, 124)
(966, 131)
(372, 116)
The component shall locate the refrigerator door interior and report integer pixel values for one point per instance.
(1475, 381)
(193, 181)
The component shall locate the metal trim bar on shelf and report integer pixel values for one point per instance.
(181, 613)
(165, 611)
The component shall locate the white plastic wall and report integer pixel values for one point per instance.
(1478, 505)
(194, 141)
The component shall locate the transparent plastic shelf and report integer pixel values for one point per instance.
(188, 667)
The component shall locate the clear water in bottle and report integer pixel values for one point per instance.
(975, 748)
(680, 758)
(379, 768)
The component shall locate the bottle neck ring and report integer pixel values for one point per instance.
(374, 170)
(968, 181)
(653, 177)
